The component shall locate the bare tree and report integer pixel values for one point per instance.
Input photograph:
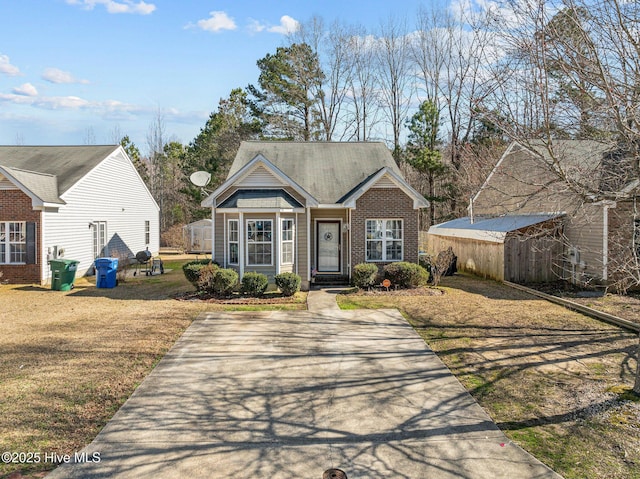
(577, 63)
(450, 54)
(394, 77)
(331, 45)
(115, 135)
(363, 86)
(89, 136)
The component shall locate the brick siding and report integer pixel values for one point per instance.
(383, 203)
(16, 206)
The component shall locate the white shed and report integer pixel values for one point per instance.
(197, 236)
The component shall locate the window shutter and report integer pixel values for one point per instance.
(31, 243)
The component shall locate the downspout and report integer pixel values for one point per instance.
(349, 241)
(44, 263)
(225, 239)
(278, 248)
(308, 274)
(213, 232)
(295, 235)
(241, 242)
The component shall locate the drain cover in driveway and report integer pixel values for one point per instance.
(334, 474)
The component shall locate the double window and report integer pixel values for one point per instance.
(13, 242)
(384, 240)
(259, 242)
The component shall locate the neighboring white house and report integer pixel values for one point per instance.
(197, 236)
(76, 202)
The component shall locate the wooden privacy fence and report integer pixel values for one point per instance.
(532, 260)
(519, 259)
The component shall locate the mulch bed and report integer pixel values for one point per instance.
(423, 291)
(236, 299)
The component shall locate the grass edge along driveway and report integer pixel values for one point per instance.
(555, 381)
(69, 360)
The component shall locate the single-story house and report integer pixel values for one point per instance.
(197, 236)
(313, 208)
(71, 202)
(538, 197)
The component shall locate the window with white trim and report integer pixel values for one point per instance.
(287, 241)
(99, 238)
(13, 242)
(233, 235)
(384, 240)
(259, 242)
(147, 232)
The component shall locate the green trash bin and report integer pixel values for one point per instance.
(63, 272)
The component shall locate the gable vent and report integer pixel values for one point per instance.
(385, 182)
(5, 184)
(260, 177)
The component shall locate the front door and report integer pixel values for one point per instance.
(328, 249)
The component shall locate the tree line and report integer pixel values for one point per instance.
(446, 92)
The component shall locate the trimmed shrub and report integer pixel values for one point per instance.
(192, 269)
(206, 273)
(406, 275)
(365, 275)
(224, 281)
(254, 284)
(289, 283)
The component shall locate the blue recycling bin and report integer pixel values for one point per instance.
(106, 270)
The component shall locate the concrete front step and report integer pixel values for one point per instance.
(331, 280)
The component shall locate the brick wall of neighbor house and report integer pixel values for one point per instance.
(16, 206)
(387, 203)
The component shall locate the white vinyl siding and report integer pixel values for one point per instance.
(113, 193)
(260, 177)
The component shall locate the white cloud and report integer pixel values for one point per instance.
(287, 25)
(26, 89)
(55, 75)
(256, 26)
(123, 6)
(216, 22)
(7, 68)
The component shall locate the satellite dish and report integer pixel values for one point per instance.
(200, 178)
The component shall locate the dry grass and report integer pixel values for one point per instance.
(555, 381)
(68, 360)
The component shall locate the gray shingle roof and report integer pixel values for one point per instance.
(328, 171)
(66, 163)
(43, 185)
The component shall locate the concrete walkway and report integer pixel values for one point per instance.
(323, 299)
(293, 394)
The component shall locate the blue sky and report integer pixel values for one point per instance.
(75, 69)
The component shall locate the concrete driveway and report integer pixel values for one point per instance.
(293, 394)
